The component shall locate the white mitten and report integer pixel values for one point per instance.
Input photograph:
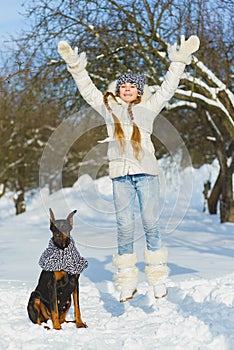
(184, 52)
(71, 56)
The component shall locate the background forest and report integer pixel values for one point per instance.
(37, 93)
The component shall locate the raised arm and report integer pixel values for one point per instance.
(76, 65)
(180, 57)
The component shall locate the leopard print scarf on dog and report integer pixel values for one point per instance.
(67, 259)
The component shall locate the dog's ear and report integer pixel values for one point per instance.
(70, 217)
(52, 218)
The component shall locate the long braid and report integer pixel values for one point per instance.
(118, 132)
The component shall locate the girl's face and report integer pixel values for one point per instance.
(128, 92)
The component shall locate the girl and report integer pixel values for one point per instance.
(129, 114)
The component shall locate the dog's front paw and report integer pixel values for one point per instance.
(81, 325)
(57, 326)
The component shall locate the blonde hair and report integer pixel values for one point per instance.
(118, 131)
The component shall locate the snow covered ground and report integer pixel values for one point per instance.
(198, 312)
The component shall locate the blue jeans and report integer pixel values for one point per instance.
(125, 190)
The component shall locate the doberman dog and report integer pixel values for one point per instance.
(52, 297)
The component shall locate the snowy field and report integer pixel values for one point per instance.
(198, 312)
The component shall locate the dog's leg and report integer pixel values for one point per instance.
(54, 300)
(44, 313)
(79, 322)
(34, 308)
(37, 306)
(62, 317)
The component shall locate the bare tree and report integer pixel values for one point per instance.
(223, 187)
(120, 36)
(27, 119)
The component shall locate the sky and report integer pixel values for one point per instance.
(11, 22)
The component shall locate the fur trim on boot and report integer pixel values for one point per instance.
(157, 271)
(156, 257)
(126, 277)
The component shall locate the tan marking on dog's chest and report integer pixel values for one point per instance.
(59, 275)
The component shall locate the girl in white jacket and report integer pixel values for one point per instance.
(129, 115)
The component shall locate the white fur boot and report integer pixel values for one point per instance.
(126, 277)
(157, 271)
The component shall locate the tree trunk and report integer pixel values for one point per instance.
(227, 202)
(2, 189)
(213, 199)
(19, 201)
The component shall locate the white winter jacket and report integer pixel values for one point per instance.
(123, 163)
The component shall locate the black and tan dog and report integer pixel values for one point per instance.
(59, 279)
